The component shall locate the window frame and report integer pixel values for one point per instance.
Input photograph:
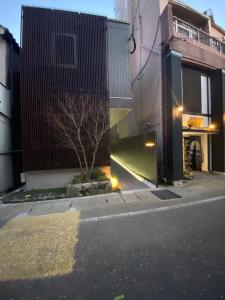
(209, 96)
(74, 36)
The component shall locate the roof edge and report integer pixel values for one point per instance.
(8, 37)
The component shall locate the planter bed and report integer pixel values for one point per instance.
(89, 188)
(34, 195)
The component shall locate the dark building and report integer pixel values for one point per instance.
(66, 53)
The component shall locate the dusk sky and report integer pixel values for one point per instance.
(10, 9)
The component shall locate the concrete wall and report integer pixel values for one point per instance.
(3, 61)
(49, 178)
(147, 86)
(46, 179)
(6, 169)
(122, 9)
(9, 113)
(133, 153)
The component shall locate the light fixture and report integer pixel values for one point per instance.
(180, 109)
(149, 144)
(212, 126)
(115, 183)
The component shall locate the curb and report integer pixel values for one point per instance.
(61, 199)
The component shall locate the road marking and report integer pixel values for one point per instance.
(149, 211)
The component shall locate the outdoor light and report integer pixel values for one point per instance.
(115, 183)
(149, 144)
(180, 109)
(212, 126)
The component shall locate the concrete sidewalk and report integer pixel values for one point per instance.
(125, 201)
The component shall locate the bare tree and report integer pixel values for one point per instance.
(79, 124)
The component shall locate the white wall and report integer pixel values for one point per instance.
(49, 178)
(6, 171)
(122, 9)
(147, 90)
(3, 61)
(6, 168)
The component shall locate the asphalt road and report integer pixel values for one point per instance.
(173, 254)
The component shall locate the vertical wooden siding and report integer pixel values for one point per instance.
(43, 82)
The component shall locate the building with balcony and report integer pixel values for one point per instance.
(178, 83)
(10, 136)
(69, 53)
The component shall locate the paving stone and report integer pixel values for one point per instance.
(128, 198)
(40, 209)
(50, 208)
(60, 207)
(11, 211)
(96, 201)
(113, 199)
(88, 202)
(146, 196)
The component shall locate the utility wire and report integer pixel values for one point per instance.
(132, 33)
(150, 53)
(134, 18)
(134, 43)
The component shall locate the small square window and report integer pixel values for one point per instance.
(64, 50)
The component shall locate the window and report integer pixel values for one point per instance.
(204, 94)
(196, 92)
(64, 49)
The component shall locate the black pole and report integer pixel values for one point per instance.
(156, 160)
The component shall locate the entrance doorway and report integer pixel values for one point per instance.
(196, 153)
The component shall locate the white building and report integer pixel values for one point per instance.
(9, 111)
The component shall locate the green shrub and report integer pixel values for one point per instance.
(80, 178)
(98, 175)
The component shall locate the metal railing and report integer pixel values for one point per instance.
(194, 33)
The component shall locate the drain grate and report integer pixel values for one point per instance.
(166, 195)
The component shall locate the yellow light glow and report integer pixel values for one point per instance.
(180, 109)
(212, 126)
(149, 144)
(115, 183)
(117, 160)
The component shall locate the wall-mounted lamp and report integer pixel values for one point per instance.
(115, 183)
(180, 109)
(149, 144)
(212, 126)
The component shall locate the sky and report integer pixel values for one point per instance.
(11, 9)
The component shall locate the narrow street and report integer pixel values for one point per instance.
(174, 252)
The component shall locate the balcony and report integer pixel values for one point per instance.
(193, 33)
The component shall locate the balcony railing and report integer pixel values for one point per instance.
(194, 33)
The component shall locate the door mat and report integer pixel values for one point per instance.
(166, 195)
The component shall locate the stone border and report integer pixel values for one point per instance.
(88, 189)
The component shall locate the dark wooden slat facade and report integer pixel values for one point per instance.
(45, 82)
